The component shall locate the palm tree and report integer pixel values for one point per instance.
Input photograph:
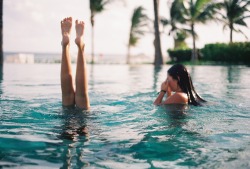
(197, 11)
(176, 17)
(179, 39)
(157, 42)
(179, 34)
(236, 11)
(1, 33)
(138, 21)
(96, 6)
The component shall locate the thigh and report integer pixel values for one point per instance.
(68, 100)
(82, 102)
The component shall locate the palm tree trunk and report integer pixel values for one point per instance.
(128, 55)
(157, 42)
(1, 33)
(175, 43)
(194, 54)
(92, 45)
(129, 45)
(231, 32)
(92, 38)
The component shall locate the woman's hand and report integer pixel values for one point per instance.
(165, 86)
(165, 89)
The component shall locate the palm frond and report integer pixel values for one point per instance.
(240, 22)
(181, 35)
(190, 33)
(208, 12)
(221, 20)
(235, 13)
(200, 5)
(97, 6)
(133, 40)
(225, 26)
(138, 17)
(138, 32)
(138, 21)
(246, 4)
(164, 21)
(240, 31)
(177, 11)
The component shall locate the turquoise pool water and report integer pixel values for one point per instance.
(124, 129)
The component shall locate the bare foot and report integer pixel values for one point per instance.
(66, 25)
(79, 33)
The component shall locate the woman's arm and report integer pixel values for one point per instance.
(164, 90)
(159, 98)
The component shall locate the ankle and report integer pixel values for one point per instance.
(81, 46)
(65, 46)
(79, 42)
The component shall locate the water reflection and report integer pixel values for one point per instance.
(232, 81)
(92, 77)
(74, 134)
(74, 124)
(1, 79)
(192, 72)
(233, 74)
(157, 69)
(73, 156)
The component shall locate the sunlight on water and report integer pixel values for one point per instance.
(123, 128)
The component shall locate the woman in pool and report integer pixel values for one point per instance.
(70, 97)
(178, 81)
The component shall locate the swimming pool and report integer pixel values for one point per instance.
(124, 129)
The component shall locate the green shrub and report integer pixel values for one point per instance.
(180, 55)
(235, 52)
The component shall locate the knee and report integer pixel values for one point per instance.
(67, 77)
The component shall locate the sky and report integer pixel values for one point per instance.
(34, 26)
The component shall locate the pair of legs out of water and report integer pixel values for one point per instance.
(79, 95)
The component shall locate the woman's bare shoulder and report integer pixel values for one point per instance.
(177, 98)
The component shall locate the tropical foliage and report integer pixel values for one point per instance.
(179, 39)
(96, 6)
(197, 11)
(138, 21)
(190, 12)
(176, 19)
(234, 13)
(180, 55)
(218, 52)
(223, 52)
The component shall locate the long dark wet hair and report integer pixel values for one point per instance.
(180, 73)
